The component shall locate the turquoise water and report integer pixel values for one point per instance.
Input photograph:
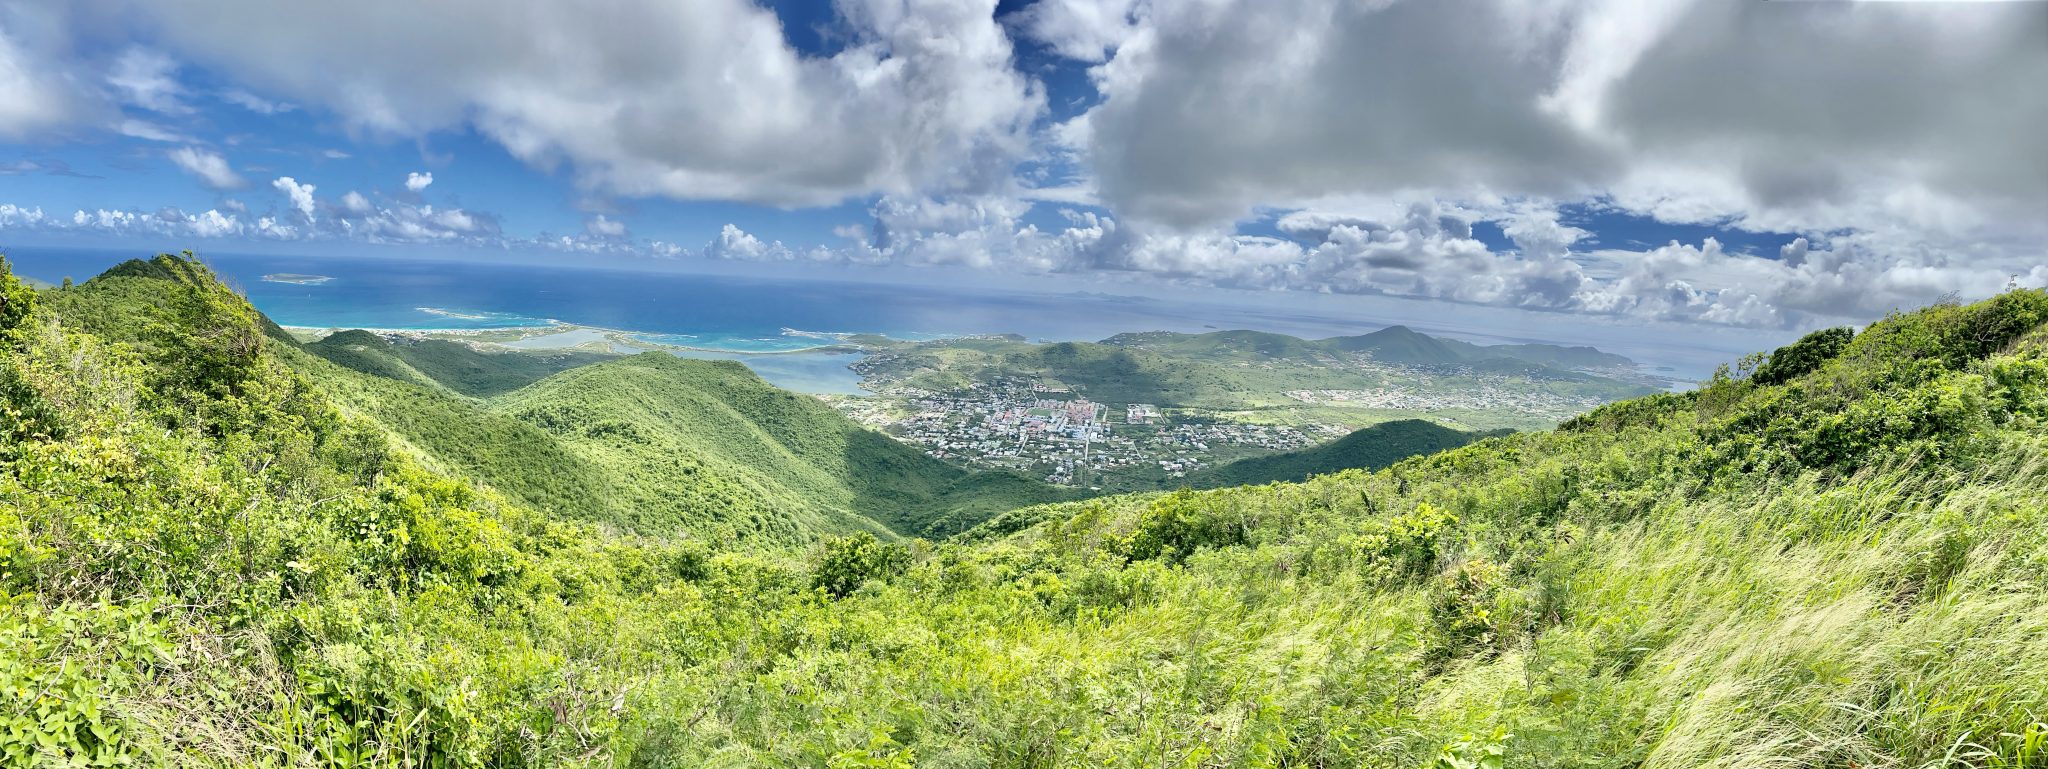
(735, 314)
(715, 312)
(731, 317)
(744, 317)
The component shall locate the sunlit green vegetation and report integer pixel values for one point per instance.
(1369, 449)
(454, 365)
(206, 559)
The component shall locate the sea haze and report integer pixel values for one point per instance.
(744, 317)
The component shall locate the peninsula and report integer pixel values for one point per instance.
(292, 277)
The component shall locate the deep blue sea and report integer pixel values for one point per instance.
(743, 317)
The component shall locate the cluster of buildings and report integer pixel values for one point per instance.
(1071, 441)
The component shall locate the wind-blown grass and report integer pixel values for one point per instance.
(213, 565)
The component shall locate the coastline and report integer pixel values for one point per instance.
(577, 336)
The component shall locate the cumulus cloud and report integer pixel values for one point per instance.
(1212, 109)
(353, 217)
(1080, 29)
(1422, 248)
(301, 195)
(701, 99)
(418, 180)
(602, 226)
(1900, 139)
(735, 244)
(32, 98)
(167, 222)
(212, 169)
(354, 203)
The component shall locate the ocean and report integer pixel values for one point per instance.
(743, 318)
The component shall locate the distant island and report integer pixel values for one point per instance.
(293, 277)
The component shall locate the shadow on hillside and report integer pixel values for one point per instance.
(915, 495)
(1371, 448)
(1107, 374)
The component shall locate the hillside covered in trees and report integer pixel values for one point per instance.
(1370, 448)
(220, 549)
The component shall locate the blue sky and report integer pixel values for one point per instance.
(1473, 152)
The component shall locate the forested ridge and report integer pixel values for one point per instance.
(212, 553)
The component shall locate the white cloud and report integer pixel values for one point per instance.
(32, 99)
(18, 217)
(148, 79)
(735, 244)
(701, 99)
(604, 227)
(253, 103)
(143, 129)
(418, 180)
(1213, 108)
(334, 155)
(301, 195)
(1081, 29)
(1902, 140)
(210, 167)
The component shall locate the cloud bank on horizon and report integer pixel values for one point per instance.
(1482, 151)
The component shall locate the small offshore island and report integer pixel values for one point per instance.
(292, 277)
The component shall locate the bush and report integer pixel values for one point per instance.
(1176, 525)
(1406, 545)
(849, 562)
(1806, 355)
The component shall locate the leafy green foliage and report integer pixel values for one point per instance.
(707, 446)
(458, 367)
(1799, 358)
(16, 298)
(1370, 448)
(261, 575)
(850, 562)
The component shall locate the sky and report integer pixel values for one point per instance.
(1723, 164)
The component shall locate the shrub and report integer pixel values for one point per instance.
(1798, 358)
(1405, 545)
(849, 562)
(1176, 525)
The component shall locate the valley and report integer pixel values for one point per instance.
(346, 553)
(1135, 412)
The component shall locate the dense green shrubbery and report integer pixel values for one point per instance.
(1802, 357)
(1845, 569)
(850, 562)
(1370, 448)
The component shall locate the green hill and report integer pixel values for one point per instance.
(1400, 344)
(456, 366)
(207, 560)
(660, 424)
(651, 443)
(1393, 344)
(1370, 448)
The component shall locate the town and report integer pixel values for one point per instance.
(1048, 432)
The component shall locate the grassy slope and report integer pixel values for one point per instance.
(458, 367)
(640, 416)
(1369, 449)
(205, 567)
